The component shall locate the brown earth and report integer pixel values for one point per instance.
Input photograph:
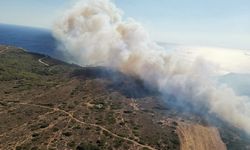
(64, 106)
(198, 137)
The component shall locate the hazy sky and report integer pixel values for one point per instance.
(224, 23)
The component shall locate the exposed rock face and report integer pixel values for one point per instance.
(197, 137)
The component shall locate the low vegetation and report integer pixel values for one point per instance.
(64, 106)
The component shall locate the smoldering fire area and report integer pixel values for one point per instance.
(95, 32)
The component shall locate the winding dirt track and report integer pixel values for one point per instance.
(93, 125)
(41, 61)
(3, 50)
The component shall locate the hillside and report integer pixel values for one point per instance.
(48, 104)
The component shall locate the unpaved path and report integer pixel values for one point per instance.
(89, 124)
(41, 61)
(3, 50)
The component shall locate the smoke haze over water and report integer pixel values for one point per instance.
(94, 32)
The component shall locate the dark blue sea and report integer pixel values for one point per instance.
(41, 41)
(32, 39)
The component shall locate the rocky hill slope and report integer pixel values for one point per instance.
(49, 104)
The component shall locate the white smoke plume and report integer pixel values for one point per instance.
(95, 32)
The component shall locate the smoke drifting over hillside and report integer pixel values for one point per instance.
(94, 32)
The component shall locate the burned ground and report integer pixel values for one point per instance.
(64, 106)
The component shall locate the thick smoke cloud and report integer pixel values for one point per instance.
(95, 32)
